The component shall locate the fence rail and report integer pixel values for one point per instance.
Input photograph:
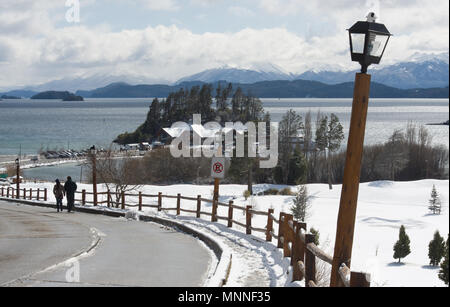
(24, 194)
(291, 237)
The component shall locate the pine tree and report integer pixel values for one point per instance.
(436, 249)
(301, 204)
(329, 136)
(402, 248)
(435, 202)
(316, 235)
(443, 274)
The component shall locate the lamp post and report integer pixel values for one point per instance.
(368, 41)
(93, 152)
(18, 178)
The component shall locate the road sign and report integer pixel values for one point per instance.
(218, 168)
(3, 176)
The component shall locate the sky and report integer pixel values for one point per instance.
(166, 40)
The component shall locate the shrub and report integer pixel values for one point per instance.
(271, 192)
(246, 194)
(286, 191)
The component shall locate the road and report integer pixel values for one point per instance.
(36, 242)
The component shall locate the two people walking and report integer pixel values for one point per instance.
(67, 190)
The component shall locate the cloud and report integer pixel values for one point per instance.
(34, 50)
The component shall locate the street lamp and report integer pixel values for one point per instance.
(368, 41)
(18, 178)
(93, 152)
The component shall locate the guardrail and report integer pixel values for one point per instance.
(291, 237)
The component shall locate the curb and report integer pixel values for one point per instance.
(223, 267)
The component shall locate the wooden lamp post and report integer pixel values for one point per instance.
(94, 173)
(17, 178)
(368, 41)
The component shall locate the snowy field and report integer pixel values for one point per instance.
(383, 207)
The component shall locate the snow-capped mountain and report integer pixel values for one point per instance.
(92, 82)
(419, 71)
(252, 74)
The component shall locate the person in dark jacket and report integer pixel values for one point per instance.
(58, 191)
(70, 188)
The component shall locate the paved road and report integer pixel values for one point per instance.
(110, 251)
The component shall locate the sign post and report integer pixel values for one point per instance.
(217, 172)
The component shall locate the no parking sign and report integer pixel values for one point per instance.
(218, 168)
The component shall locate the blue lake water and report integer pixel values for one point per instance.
(28, 125)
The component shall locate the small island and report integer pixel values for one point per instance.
(8, 97)
(64, 96)
(440, 124)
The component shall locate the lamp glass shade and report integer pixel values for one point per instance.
(376, 44)
(358, 42)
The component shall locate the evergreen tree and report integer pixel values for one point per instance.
(402, 248)
(435, 202)
(290, 127)
(329, 136)
(297, 168)
(443, 274)
(436, 249)
(316, 234)
(301, 204)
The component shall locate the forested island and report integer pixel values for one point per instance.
(8, 97)
(65, 96)
(180, 105)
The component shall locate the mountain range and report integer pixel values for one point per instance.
(418, 72)
(267, 89)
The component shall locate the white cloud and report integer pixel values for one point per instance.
(34, 50)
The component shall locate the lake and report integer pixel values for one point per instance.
(29, 125)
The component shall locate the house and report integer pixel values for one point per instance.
(132, 147)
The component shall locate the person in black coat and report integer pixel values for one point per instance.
(70, 188)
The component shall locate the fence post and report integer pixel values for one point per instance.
(45, 194)
(310, 261)
(287, 234)
(108, 196)
(199, 205)
(248, 223)
(31, 194)
(38, 194)
(2, 191)
(280, 230)
(269, 227)
(214, 211)
(159, 201)
(230, 214)
(7, 192)
(13, 194)
(140, 201)
(294, 244)
(360, 280)
(178, 204)
(24, 193)
(123, 200)
(298, 251)
(83, 197)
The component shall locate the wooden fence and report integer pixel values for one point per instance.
(291, 237)
(25, 194)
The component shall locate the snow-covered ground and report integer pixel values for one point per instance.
(382, 208)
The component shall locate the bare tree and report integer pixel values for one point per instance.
(119, 175)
